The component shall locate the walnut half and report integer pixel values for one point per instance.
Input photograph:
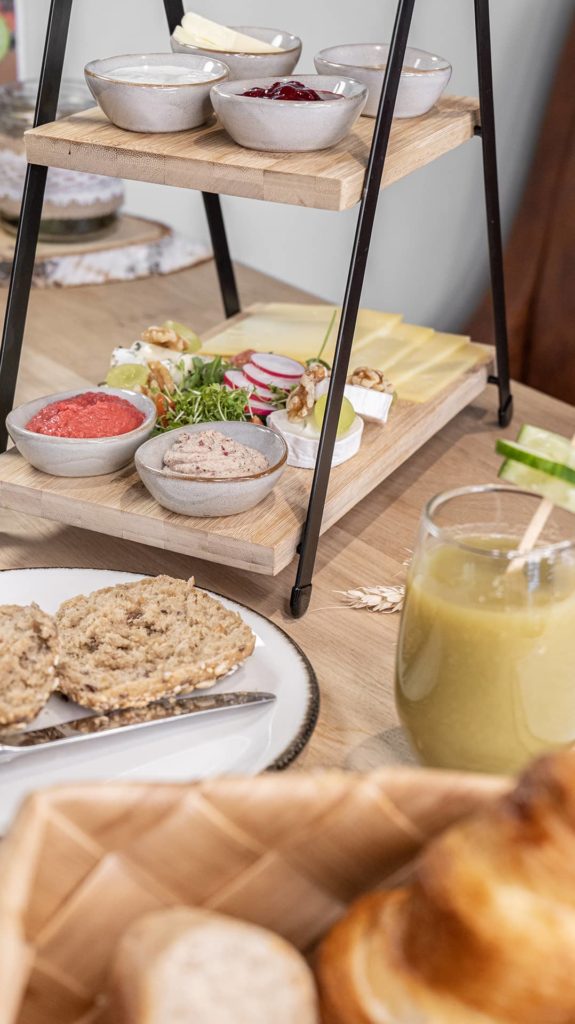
(375, 380)
(166, 337)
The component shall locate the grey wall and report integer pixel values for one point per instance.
(429, 255)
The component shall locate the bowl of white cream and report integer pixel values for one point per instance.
(155, 92)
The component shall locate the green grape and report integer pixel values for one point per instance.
(186, 333)
(127, 375)
(346, 416)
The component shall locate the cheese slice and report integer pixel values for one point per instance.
(438, 347)
(385, 350)
(425, 385)
(196, 30)
(295, 330)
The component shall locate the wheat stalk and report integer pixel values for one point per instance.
(375, 599)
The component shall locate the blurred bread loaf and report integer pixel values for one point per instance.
(28, 652)
(187, 966)
(128, 645)
(486, 932)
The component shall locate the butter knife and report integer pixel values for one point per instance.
(130, 718)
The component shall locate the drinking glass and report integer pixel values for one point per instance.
(485, 674)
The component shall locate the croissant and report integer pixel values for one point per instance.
(485, 934)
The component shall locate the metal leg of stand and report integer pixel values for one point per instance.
(301, 592)
(487, 133)
(224, 265)
(31, 211)
(213, 207)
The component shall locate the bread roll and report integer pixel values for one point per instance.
(184, 966)
(125, 646)
(486, 932)
(28, 655)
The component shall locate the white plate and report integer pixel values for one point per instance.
(242, 742)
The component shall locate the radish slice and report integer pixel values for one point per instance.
(278, 366)
(259, 379)
(259, 408)
(262, 380)
(236, 379)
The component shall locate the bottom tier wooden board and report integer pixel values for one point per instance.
(262, 540)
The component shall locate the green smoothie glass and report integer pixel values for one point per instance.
(485, 676)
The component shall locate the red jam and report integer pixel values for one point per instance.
(291, 91)
(93, 414)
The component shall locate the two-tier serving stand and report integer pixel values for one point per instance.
(317, 180)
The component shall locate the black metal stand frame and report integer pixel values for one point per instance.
(33, 197)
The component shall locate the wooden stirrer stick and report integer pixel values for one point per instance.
(534, 530)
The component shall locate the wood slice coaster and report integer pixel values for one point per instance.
(132, 248)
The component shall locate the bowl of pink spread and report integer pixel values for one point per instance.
(82, 433)
(212, 469)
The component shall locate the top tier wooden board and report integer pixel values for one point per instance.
(208, 160)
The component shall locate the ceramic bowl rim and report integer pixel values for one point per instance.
(32, 435)
(220, 90)
(212, 479)
(248, 53)
(410, 73)
(89, 72)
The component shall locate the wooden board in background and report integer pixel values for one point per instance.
(207, 159)
(133, 247)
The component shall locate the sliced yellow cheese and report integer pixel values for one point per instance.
(383, 351)
(427, 384)
(196, 30)
(294, 330)
(436, 348)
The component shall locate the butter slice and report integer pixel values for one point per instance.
(196, 30)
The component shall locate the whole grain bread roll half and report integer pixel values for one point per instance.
(131, 644)
(28, 653)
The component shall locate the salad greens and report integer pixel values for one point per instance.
(201, 397)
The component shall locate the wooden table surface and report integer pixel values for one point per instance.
(70, 335)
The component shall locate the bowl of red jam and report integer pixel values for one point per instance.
(289, 115)
(88, 432)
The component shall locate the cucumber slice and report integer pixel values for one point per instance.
(558, 491)
(5, 37)
(544, 442)
(533, 459)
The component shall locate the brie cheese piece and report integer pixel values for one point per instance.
(372, 406)
(302, 439)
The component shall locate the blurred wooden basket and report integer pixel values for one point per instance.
(289, 852)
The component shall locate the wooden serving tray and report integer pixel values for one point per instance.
(207, 159)
(264, 542)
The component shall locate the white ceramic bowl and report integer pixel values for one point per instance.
(289, 126)
(79, 456)
(201, 496)
(244, 65)
(141, 107)
(423, 78)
